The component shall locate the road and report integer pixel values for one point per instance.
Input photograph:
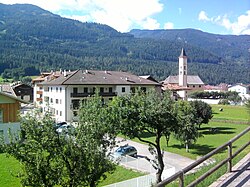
(171, 160)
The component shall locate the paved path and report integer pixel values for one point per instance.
(170, 159)
(239, 177)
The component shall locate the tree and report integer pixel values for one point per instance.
(96, 131)
(151, 113)
(202, 112)
(49, 158)
(187, 131)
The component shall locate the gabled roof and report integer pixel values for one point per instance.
(6, 88)
(92, 77)
(149, 77)
(13, 97)
(191, 79)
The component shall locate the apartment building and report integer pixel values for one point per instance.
(62, 95)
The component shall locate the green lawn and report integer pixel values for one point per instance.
(235, 113)
(9, 168)
(120, 174)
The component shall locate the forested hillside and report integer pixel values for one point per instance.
(34, 40)
(232, 48)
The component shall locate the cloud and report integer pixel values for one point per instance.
(168, 25)
(122, 15)
(203, 16)
(151, 24)
(240, 26)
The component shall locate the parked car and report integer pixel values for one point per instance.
(57, 125)
(65, 128)
(126, 150)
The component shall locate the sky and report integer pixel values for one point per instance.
(213, 16)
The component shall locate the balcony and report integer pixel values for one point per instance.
(39, 99)
(103, 94)
(39, 92)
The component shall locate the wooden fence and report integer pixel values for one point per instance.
(228, 160)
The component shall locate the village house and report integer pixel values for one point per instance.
(61, 95)
(9, 114)
(242, 89)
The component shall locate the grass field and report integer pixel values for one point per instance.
(235, 113)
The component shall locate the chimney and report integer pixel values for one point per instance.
(64, 73)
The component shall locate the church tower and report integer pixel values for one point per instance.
(183, 69)
(183, 74)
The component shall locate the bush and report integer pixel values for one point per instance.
(224, 102)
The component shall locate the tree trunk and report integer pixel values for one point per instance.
(160, 159)
(186, 147)
(92, 184)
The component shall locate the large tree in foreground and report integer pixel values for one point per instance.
(152, 113)
(51, 159)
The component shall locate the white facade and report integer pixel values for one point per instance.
(243, 90)
(183, 74)
(63, 101)
(183, 71)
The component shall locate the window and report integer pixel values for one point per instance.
(184, 72)
(184, 67)
(60, 113)
(56, 89)
(56, 101)
(51, 89)
(60, 101)
(40, 88)
(76, 104)
(85, 90)
(75, 113)
(123, 89)
(75, 90)
(56, 112)
(133, 90)
(60, 89)
(193, 86)
(200, 86)
(101, 90)
(93, 90)
(51, 100)
(144, 89)
(110, 90)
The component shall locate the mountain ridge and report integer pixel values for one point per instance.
(34, 40)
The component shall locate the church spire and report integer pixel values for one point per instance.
(183, 53)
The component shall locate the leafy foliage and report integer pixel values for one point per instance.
(150, 113)
(188, 121)
(51, 159)
(202, 112)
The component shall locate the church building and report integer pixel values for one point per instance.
(183, 83)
